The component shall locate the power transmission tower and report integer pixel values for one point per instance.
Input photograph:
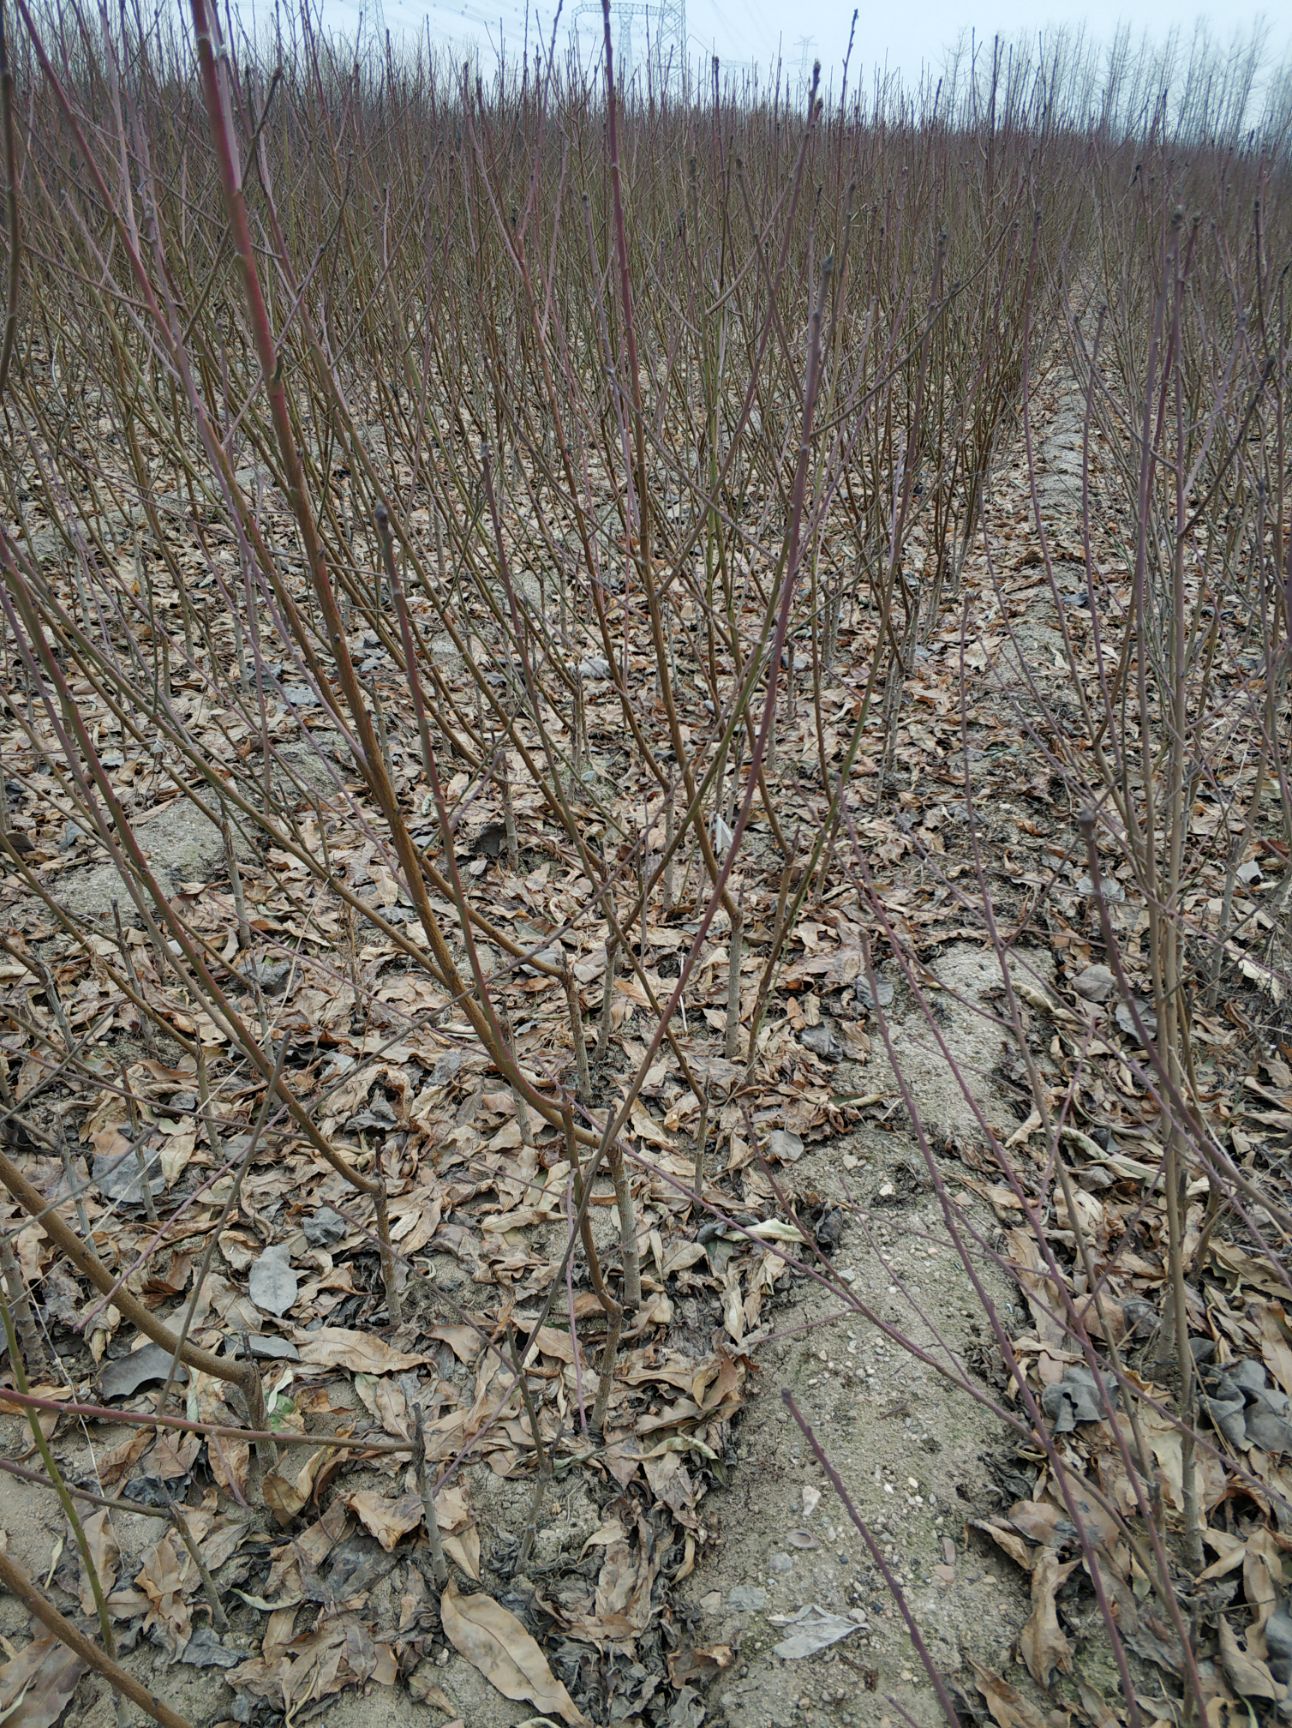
(666, 34)
(805, 45)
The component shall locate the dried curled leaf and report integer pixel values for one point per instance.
(1043, 1644)
(495, 1642)
(287, 1489)
(1246, 1673)
(385, 1517)
(1076, 1398)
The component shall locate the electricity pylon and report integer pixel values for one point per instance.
(666, 31)
(805, 45)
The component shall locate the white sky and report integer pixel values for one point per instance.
(903, 35)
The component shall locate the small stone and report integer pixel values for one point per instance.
(779, 1563)
(829, 1232)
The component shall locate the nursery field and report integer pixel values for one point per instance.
(646, 869)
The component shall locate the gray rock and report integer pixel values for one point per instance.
(300, 696)
(1278, 1634)
(1140, 1315)
(46, 544)
(273, 1349)
(271, 975)
(297, 771)
(181, 845)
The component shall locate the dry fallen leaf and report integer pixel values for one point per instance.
(1043, 1645)
(272, 1284)
(36, 1687)
(385, 1518)
(813, 1629)
(101, 1539)
(339, 1347)
(1009, 1709)
(288, 1488)
(391, 1518)
(495, 1642)
(1248, 1676)
(164, 1580)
